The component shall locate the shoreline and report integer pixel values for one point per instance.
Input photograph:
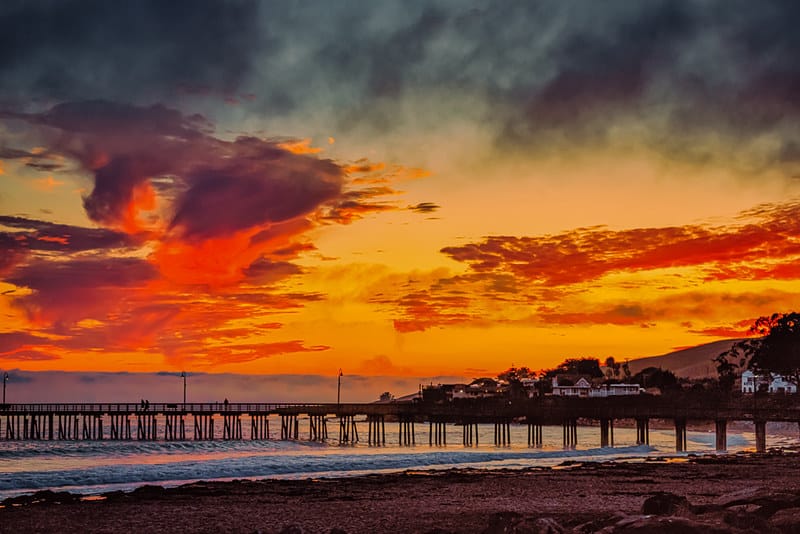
(570, 495)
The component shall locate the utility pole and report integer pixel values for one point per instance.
(5, 379)
(339, 388)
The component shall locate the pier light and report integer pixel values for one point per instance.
(339, 388)
(5, 379)
(183, 375)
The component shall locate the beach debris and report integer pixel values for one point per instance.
(516, 523)
(665, 503)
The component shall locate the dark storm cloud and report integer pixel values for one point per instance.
(218, 187)
(41, 161)
(679, 76)
(43, 235)
(77, 48)
(72, 277)
(257, 182)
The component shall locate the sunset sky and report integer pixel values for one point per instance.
(406, 189)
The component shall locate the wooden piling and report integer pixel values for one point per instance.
(642, 431)
(535, 438)
(232, 426)
(376, 430)
(721, 427)
(407, 433)
(437, 433)
(570, 433)
(761, 436)
(502, 433)
(259, 426)
(680, 435)
(605, 432)
(469, 433)
(290, 429)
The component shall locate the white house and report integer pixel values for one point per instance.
(774, 383)
(583, 388)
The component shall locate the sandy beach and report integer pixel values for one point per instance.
(741, 493)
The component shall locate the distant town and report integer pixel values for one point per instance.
(588, 378)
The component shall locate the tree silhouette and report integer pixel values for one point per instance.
(613, 367)
(656, 377)
(577, 366)
(777, 351)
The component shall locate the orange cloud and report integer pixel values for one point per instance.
(45, 184)
(299, 146)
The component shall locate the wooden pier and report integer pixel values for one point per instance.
(171, 422)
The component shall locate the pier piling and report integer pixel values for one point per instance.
(721, 428)
(535, 438)
(761, 436)
(407, 434)
(680, 434)
(642, 431)
(376, 434)
(570, 433)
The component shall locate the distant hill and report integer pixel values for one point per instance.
(694, 362)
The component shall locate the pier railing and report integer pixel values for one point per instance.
(692, 407)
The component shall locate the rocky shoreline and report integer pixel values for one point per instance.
(743, 493)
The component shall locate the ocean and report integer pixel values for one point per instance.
(93, 467)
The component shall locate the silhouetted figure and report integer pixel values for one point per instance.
(146, 404)
(226, 403)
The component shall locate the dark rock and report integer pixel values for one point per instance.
(746, 521)
(42, 497)
(665, 525)
(786, 520)
(336, 530)
(502, 522)
(665, 503)
(762, 501)
(514, 523)
(148, 492)
(745, 508)
(438, 530)
(54, 497)
(545, 525)
(116, 495)
(292, 529)
(597, 525)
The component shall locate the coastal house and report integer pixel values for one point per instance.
(479, 388)
(772, 383)
(584, 388)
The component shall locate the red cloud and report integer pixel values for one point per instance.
(199, 235)
(587, 254)
(545, 269)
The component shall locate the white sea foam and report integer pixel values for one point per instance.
(100, 466)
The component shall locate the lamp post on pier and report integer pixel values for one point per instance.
(339, 388)
(183, 375)
(5, 379)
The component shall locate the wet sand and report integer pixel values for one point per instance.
(722, 494)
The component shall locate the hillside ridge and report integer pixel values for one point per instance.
(692, 362)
